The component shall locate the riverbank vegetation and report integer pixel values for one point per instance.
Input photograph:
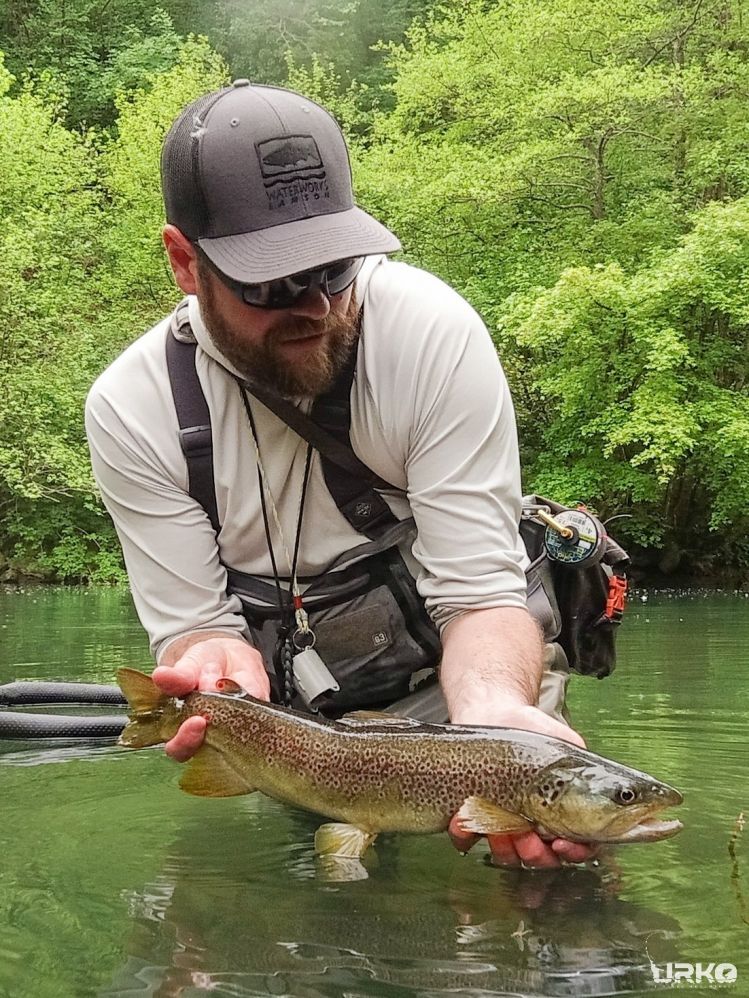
(579, 170)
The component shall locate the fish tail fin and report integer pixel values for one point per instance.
(146, 703)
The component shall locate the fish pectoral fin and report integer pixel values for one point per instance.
(208, 774)
(339, 839)
(487, 818)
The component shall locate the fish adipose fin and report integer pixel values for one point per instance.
(486, 818)
(208, 774)
(338, 839)
(146, 701)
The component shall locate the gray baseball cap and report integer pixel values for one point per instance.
(260, 178)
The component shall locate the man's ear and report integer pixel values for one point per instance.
(182, 258)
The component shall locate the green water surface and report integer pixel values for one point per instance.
(115, 883)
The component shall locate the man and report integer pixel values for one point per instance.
(288, 281)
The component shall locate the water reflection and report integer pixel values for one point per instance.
(216, 921)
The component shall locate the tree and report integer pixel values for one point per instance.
(138, 278)
(640, 383)
(95, 48)
(83, 273)
(49, 256)
(549, 159)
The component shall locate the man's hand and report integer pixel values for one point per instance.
(206, 660)
(490, 674)
(527, 848)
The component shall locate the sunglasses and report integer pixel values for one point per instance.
(284, 292)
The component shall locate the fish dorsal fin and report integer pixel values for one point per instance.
(377, 718)
(143, 695)
(339, 839)
(208, 774)
(487, 818)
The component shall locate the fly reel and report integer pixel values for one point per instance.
(573, 537)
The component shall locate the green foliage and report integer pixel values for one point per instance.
(82, 275)
(576, 168)
(138, 273)
(136, 58)
(49, 252)
(641, 384)
(94, 50)
(557, 162)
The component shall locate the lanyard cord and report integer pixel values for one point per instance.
(276, 578)
(294, 606)
(305, 483)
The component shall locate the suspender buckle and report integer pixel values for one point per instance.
(196, 441)
(367, 511)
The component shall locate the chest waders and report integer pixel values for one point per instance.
(372, 629)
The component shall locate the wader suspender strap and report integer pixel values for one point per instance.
(193, 415)
(350, 482)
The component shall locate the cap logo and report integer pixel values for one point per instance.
(292, 170)
(293, 155)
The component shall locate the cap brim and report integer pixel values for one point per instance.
(253, 257)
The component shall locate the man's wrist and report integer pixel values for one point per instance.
(489, 709)
(176, 648)
(491, 658)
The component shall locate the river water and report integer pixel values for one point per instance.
(115, 883)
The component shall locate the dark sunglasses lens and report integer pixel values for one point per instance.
(343, 273)
(286, 291)
(271, 294)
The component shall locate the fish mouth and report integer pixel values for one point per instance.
(650, 829)
(645, 823)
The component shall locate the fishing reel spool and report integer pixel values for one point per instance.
(573, 537)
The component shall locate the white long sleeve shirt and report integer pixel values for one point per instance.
(430, 412)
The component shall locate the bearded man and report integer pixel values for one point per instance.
(326, 571)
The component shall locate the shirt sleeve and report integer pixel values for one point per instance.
(176, 577)
(454, 423)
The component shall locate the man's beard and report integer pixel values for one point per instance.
(263, 363)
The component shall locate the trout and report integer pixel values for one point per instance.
(371, 772)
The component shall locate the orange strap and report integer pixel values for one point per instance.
(616, 599)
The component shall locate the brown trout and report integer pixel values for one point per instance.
(373, 772)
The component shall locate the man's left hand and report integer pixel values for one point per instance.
(528, 848)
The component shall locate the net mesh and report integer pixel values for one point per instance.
(183, 198)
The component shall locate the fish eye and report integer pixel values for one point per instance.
(625, 796)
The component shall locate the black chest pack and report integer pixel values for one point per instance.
(370, 624)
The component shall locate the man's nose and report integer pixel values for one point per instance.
(314, 304)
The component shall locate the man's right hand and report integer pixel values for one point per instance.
(204, 662)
